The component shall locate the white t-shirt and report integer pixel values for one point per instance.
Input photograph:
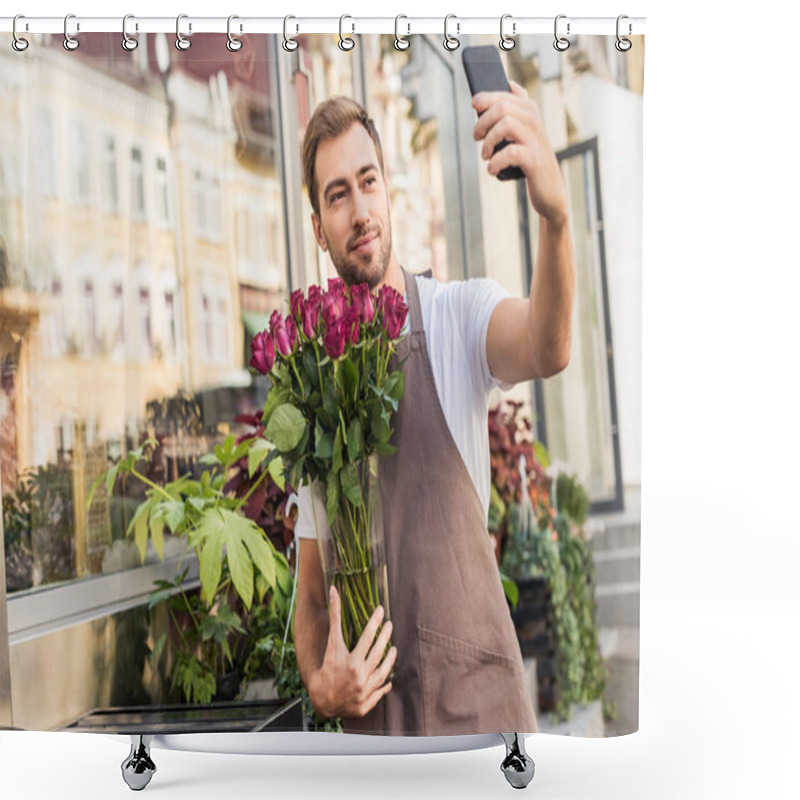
(455, 317)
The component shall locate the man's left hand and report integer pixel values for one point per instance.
(516, 118)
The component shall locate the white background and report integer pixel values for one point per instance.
(720, 612)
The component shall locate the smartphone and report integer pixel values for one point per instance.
(485, 73)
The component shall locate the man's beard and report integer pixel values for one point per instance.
(354, 269)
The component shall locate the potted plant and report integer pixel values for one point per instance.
(238, 563)
(543, 549)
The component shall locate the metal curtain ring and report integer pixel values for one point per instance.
(70, 42)
(18, 43)
(182, 43)
(451, 42)
(289, 44)
(560, 43)
(623, 45)
(400, 42)
(233, 44)
(506, 42)
(128, 42)
(346, 43)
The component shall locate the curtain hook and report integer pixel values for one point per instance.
(70, 42)
(451, 42)
(18, 43)
(560, 43)
(289, 44)
(128, 42)
(400, 42)
(182, 43)
(506, 42)
(623, 45)
(233, 44)
(346, 43)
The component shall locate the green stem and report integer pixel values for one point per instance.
(150, 483)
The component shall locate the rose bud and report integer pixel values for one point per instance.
(361, 299)
(291, 328)
(351, 326)
(333, 306)
(336, 286)
(281, 337)
(334, 339)
(296, 303)
(310, 318)
(263, 351)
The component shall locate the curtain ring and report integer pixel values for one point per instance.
(346, 43)
(182, 43)
(560, 43)
(451, 42)
(233, 44)
(506, 42)
(289, 44)
(623, 45)
(18, 43)
(70, 42)
(128, 42)
(400, 42)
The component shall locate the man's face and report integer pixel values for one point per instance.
(353, 224)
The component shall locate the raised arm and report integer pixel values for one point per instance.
(530, 338)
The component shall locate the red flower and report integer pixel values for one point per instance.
(310, 319)
(394, 310)
(263, 350)
(351, 326)
(291, 329)
(361, 299)
(335, 338)
(333, 306)
(296, 304)
(280, 335)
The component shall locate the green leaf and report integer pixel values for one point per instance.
(324, 442)
(333, 496)
(96, 483)
(309, 359)
(355, 441)
(174, 512)
(286, 427)
(542, 456)
(259, 450)
(385, 449)
(211, 535)
(349, 374)
(337, 450)
(510, 588)
(275, 469)
(381, 432)
(157, 534)
(209, 458)
(350, 484)
(139, 526)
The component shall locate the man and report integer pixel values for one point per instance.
(456, 660)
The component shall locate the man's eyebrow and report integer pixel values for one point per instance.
(333, 183)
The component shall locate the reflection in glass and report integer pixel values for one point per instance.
(141, 247)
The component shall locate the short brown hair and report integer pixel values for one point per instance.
(330, 119)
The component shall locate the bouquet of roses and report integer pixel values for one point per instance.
(328, 414)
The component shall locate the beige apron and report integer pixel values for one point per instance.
(459, 668)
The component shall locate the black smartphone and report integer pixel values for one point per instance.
(485, 73)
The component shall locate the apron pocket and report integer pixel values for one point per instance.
(466, 689)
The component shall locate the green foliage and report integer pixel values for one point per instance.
(571, 498)
(238, 563)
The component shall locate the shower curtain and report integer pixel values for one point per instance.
(155, 214)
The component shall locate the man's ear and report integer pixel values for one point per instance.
(318, 231)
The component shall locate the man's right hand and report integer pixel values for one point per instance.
(350, 684)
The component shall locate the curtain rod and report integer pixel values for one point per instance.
(407, 26)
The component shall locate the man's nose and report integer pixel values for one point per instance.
(360, 210)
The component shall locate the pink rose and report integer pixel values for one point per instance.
(263, 351)
(310, 318)
(291, 329)
(280, 335)
(361, 299)
(334, 339)
(296, 304)
(333, 306)
(394, 310)
(351, 327)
